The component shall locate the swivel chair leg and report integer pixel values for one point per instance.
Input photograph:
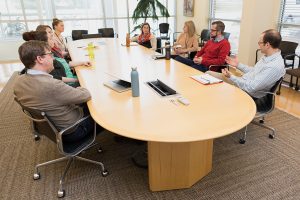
(61, 192)
(243, 138)
(272, 134)
(37, 175)
(104, 171)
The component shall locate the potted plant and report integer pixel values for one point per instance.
(148, 9)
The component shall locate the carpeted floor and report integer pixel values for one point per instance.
(260, 169)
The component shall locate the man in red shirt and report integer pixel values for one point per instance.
(214, 51)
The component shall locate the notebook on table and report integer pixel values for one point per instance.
(206, 79)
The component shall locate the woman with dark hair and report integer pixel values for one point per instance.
(55, 50)
(146, 38)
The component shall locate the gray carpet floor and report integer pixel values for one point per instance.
(260, 169)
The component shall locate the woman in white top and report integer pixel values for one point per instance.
(60, 42)
(187, 41)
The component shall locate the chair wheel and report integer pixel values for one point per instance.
(100, 150)
(242, 141)
(297, 88)
(278, 92)
(104, 173)
(36, 176)
(61, 193)
(261, 121)
(36, 137)
(271, 136)
(291, 84)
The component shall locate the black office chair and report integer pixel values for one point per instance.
(70, 151)
(288, 50)
(226, 35)
(107, 32)
(87, 36)
(164, 31)
(77, 34)
(295, 72)
(204, 37)
(264, 106)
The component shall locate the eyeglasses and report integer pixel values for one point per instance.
(213, 30)
(49, 53)
(260, 43)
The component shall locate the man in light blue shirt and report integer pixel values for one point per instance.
(258, 80)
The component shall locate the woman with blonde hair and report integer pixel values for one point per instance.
(187, 41)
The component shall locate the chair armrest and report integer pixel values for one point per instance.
(71, 129)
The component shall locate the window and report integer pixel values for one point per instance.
(229, 12)
(289, 22)
(18, 16)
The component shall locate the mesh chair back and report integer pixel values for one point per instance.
(288, 48)
(226, 35)
(266, 104)
(40, 122)
(86, 36)
(77, 34)
(107, 32)
(164, 28)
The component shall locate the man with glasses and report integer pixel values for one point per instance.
(214, 51)
(258, 80)
(37, 89)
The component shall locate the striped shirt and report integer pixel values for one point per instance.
(259, 79)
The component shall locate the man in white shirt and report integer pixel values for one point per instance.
(258, 80)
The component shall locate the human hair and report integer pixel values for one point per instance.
(42, 27)
(272, 37)
(55, 22)
(29, 50)
(220, 26)
(35, 35)
(144, 24)
(191, 28)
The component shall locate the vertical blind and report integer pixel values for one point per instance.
(230, 12)
(289, 21)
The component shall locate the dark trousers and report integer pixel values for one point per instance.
(84, 129)
(191, 63)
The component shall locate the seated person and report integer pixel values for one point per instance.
(70, 78)
(146, 38)
(214, 51)
(188, 40)
(258, 80)
(57, 51)
(58, 27)
(38, 90)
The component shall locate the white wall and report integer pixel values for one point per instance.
(201, 13)
(257, 16)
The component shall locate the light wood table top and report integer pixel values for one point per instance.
(214, 111)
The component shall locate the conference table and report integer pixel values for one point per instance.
(179, 137)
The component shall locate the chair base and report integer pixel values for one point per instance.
(261, 124)
(61, 192)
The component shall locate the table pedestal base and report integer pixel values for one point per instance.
(178, 165)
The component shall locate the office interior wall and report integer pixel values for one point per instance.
(200, 18)
(257, 16)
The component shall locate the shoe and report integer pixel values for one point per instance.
(140, 159)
